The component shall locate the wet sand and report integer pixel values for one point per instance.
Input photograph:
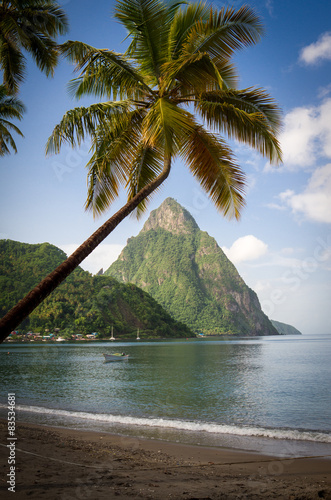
(57, 463)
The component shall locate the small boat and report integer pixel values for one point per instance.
(138, 338)
(117, 356)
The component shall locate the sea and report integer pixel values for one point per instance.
(262, 394)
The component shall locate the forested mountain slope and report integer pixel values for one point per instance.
(285, 329)
(185, 270)
(83, 303)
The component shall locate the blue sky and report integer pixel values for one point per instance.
(282, 244)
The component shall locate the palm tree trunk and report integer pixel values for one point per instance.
(26, 305)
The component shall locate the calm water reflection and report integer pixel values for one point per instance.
(269, 382)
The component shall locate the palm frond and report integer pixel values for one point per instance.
(10, 107)
(33, 26)
(13, 65)
(182, 25)
(210, 161)
(164, 126)
(250, 116)
(5, 124)
(102, 190)
(44, 52)
(147, 22)
(77, 52)
(6, 139)
(44, 17)
(103, 72)
(114, 147)
(144, 169)
(196, 74)
(226, 31)
(80, 123)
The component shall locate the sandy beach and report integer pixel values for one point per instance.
(57, 463)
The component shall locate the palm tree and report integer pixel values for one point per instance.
(30, 25)
(10, 107)
(170, 95)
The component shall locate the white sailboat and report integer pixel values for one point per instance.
(138, 338)
(112, 334)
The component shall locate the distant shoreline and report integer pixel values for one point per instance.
(133, 339)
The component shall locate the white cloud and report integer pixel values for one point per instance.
(324, 91)
(104, 255)
(276, 206)
(315, 201)
(306, 135)
(317, 51)
(246, 248)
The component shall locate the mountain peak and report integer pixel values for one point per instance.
(172, 217)
(185, 270)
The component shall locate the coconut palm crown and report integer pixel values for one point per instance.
(31, 26)
(172, 94)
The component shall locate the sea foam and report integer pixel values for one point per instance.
(182, 425)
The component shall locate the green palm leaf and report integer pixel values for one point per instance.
(182, 26)
(115, 147)
(249, 116)
(225, 32)
(196, 74)
(146, 22)
(10, 107)
(45, 16)
(103, 73)
(12, 65)
(144, 169)
(210, 160)
(164, 126)
(81, 123)
(31, 26)
(6, 139)
(44, 52)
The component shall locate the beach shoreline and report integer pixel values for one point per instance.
(53, 462)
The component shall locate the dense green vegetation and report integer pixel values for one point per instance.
(185, 270)
(83, 303)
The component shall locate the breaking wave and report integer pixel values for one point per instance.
(180, 425)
